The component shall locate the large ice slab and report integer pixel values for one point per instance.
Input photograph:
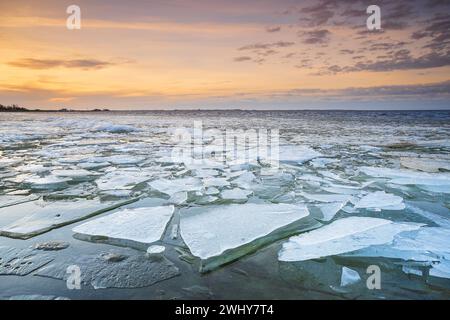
(222, 234)
(38, 217)
(113, 270)
(341, 236)
(137, 227)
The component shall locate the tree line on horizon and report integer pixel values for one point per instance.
(16, 108)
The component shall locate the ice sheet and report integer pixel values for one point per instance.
(215, 231)
(41, 216)
(341, 236)
(136, 227)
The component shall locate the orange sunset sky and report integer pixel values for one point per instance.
(256, 54)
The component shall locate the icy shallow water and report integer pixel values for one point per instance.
(73, 177)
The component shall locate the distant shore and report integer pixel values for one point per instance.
(16, 108)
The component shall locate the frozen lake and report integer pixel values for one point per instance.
(349, 190)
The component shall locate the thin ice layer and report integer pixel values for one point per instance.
(14, 261)
(141, 226)
(113, 270)
(211, 232)
(341, 236)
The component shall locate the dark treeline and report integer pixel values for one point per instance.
(16, 108)
(12, 108)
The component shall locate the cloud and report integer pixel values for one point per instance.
(437, 90)
(437, 33)
(318, 14)
(242, 58)
(438, 3)
(273, 29)
(85, 64)
(315, 36)
(265, 46)
(399, 60)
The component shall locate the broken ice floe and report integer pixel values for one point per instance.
(51, 245)
(297, 154)
(221, 234)
(170, 187)
(380, 200)
(341, 236)
(178, 198)
(438, 219)
(136, 227)
(7, 200)
(113, 270)
(425, 164)
(33, 168)
(36, 297)
(215, 182)
(235, 194)
(122, 179)
(42, 216)
(326, 197)
(441, 270)
(15, 261)
(245, 180)
(428, 245)
(76, 175)
(349, 277)
(93, 165)
(116, 128)
(329, 210)
(46, 183)
(122, 159)
(155, 252)
(408, 177)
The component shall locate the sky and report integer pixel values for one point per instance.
(225, 54)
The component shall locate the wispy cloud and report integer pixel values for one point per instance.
(242, 58)
(315, 36)
(85, 64)
(273, 29)
(278, 44)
